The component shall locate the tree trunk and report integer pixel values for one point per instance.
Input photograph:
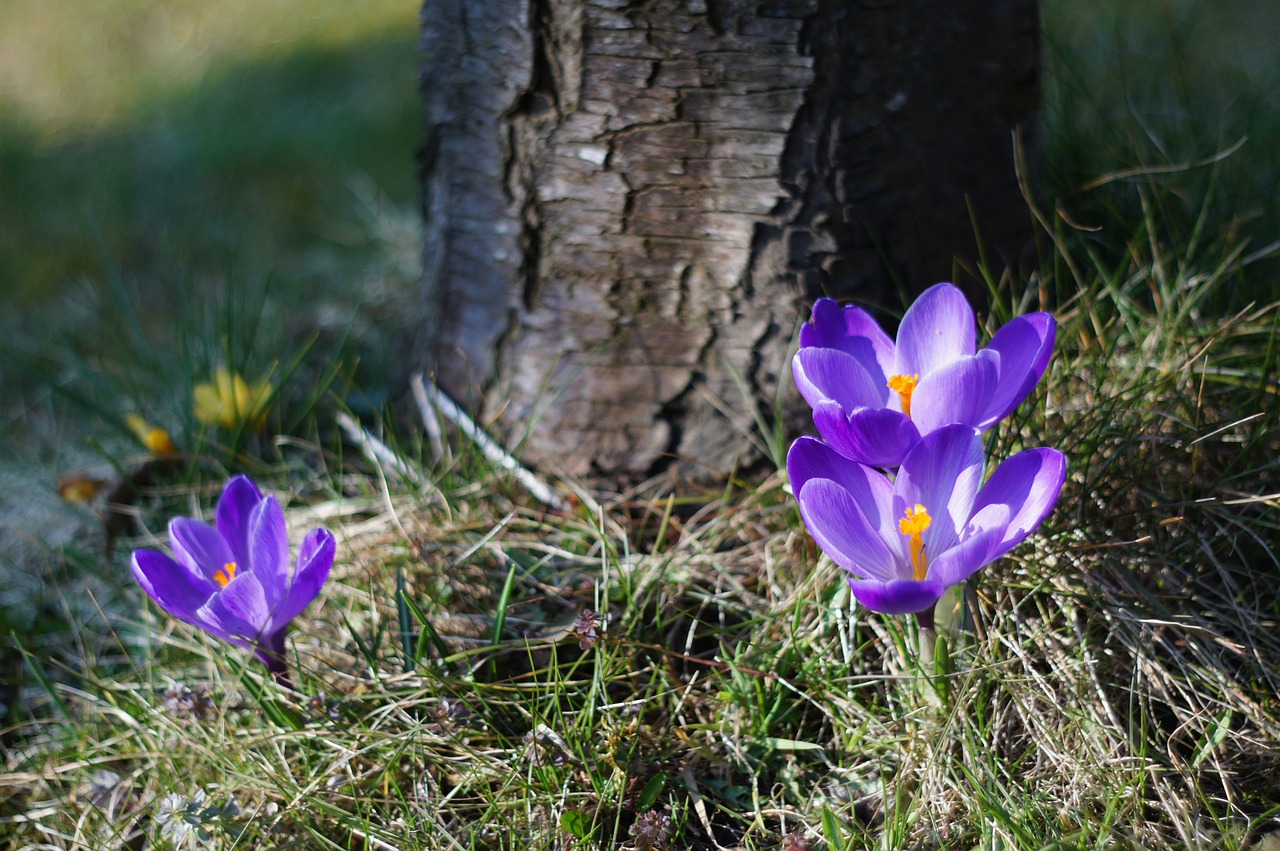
(629, 205)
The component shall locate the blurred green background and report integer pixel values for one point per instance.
(1165, 115)
(176, 136)
(169, 170)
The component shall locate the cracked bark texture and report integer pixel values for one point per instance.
(629, 205)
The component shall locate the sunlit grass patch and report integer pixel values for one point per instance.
(71, 67)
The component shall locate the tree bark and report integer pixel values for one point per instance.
(629, 205)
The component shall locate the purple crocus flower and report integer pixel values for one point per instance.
(872, 400)
(906, 540)
(233, 579)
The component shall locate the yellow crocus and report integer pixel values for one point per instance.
(231, 402)
(156, 439)
(80, 488)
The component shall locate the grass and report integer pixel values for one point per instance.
(197, 157)
(1111, 684)
(1176, 97)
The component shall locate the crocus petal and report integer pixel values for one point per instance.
(167, 582)
(958, 392)
(942, 473)
(1028, 484)
(226, 413)
(315, 558)
(239, 611)
(241, 397)
(898, 596)
(208, 407)
(269, 550)
(878, 437)
(239, 498)
(849, 329)
(937, 328)
(977, 548)
(172, 585)
(199, 547)
(844, 532)
(832, 374)
(1024, 345)
(870, 489)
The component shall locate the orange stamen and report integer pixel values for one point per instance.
(913, 524)
(904, 386)
(224, 576)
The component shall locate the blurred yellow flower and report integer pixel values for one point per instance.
(231, 402)
(155, 439)
(80, 488)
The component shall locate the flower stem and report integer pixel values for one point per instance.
(270, 652)
(933, 659)
(928, 641)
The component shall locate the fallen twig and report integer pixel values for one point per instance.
(377, 451)
(434, 398)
